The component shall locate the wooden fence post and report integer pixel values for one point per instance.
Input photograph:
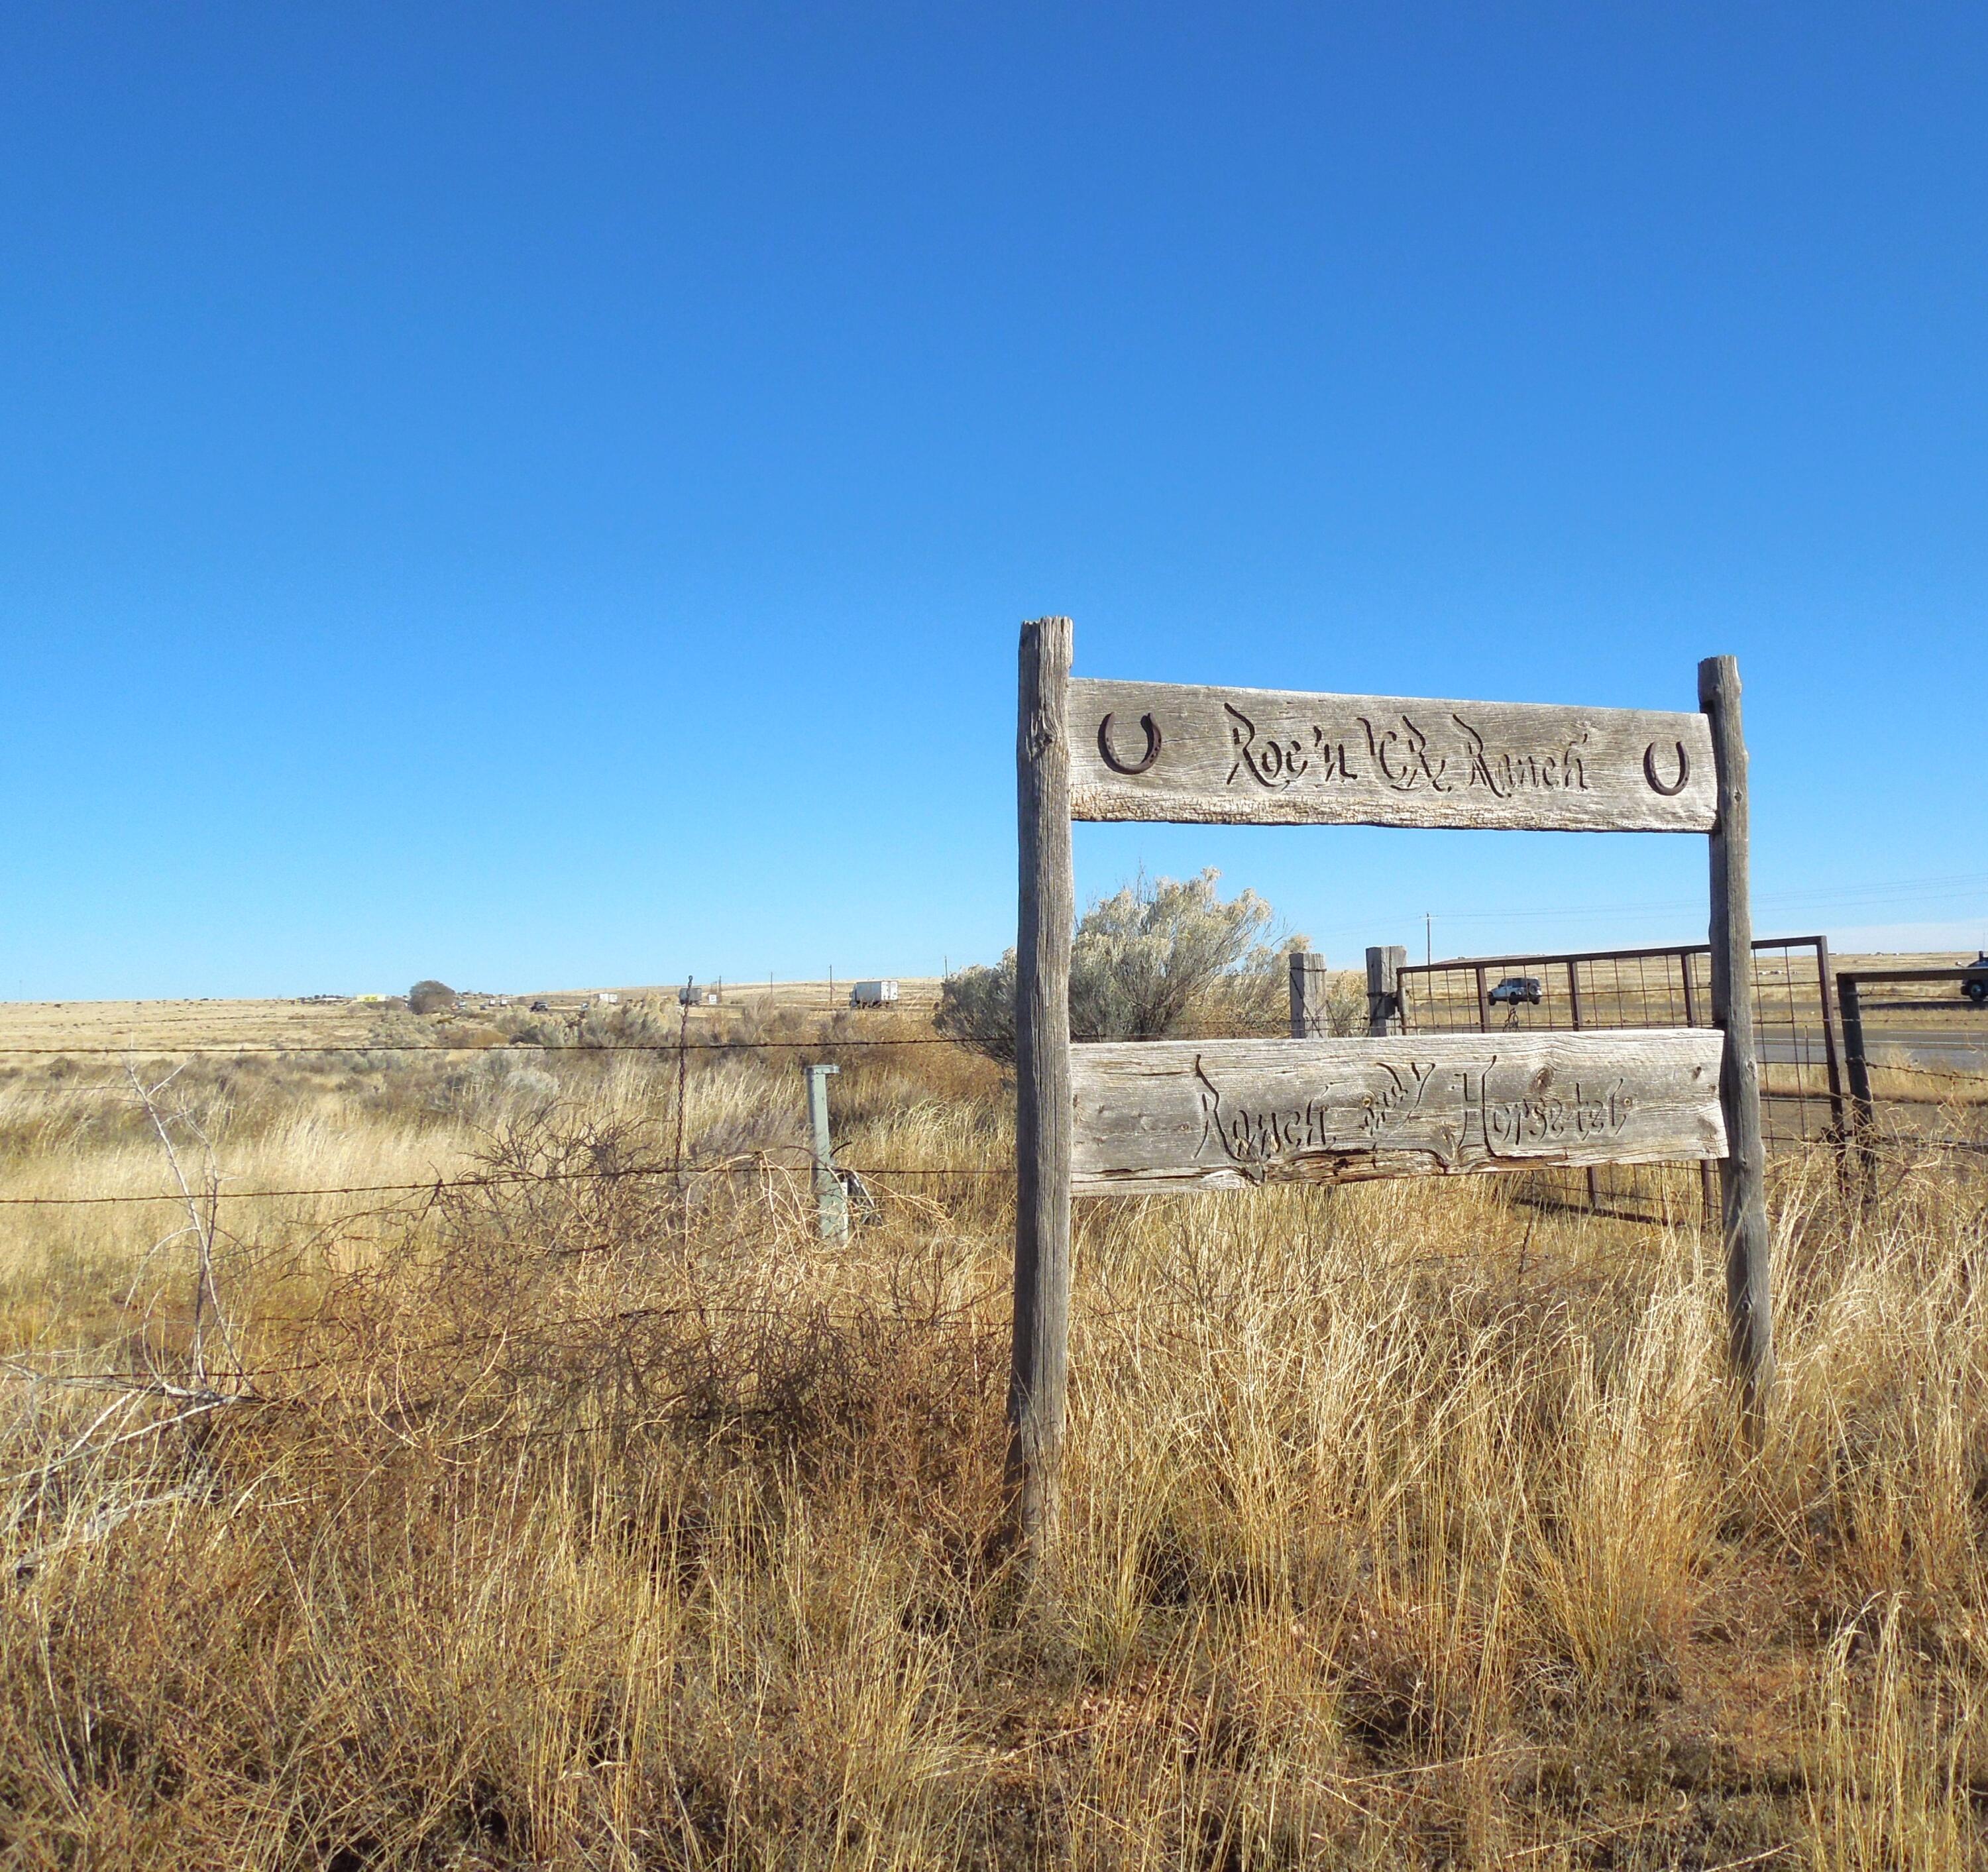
(1749, 1314)
(1308, 995)
(1038, 1381)
(1385, 1013)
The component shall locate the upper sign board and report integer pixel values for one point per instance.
(1154, 1116)
(1167, 751)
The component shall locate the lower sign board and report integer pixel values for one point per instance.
(1170, 1115)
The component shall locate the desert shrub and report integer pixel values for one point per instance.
(572, 1285)
(978, 1006)
(489, 1085)
(1345, 1011)
(1159, 957)
(631, 1023)
(431, 997)
(549, 1028)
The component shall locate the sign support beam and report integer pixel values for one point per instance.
(1749, 1306)
(1039, 1378)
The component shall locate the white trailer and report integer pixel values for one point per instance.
(872, 994)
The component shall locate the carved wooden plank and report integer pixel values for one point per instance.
(1162, 1115)
(1166, 750)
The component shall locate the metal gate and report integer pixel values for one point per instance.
(1796, 1036)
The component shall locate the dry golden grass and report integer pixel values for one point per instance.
(159, 1028)
(569, 1521)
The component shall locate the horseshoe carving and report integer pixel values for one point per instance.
(1650, 770)
(1118, 766)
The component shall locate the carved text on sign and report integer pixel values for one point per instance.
(1270, 757)
(1234, 1113)
(1503, 1119)
(1401, 754)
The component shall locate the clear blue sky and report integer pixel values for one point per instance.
(545, 495)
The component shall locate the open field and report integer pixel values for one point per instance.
(341, 1021)
(579, 1514)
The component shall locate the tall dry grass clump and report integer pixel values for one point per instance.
(586, 1514)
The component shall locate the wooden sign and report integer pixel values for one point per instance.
(1228, 1114)
(1170, 1115)
(1165, 751)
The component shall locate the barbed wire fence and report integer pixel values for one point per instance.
(1799, 1036)
(177, 1366)
(151, 1396)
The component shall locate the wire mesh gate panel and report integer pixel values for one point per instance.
(1915, 1061)
(1796, 1034)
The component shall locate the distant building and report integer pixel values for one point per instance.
(607, 997)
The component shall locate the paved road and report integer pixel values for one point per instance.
(1947, 1049)
(1960, 1047)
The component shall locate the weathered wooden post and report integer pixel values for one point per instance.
(831, 1204)
(1308, 995)
(1384, 989)
(1749, 1306)
(1038, 1381)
